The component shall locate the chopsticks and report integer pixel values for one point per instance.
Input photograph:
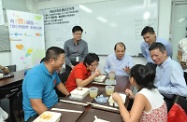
(66, 110)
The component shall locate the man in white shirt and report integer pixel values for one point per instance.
(182, 55)
(118, 63)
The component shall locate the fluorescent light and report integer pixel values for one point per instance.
(84, 8)
(102, 19)
(181, 19)
(146, 15)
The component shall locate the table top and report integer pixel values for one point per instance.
(18, 76)
(69, 116)
(102, 111)
(89, 116)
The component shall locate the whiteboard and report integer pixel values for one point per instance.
(104, 24)
(109, 22)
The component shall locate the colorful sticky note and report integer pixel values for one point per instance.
(19, 46)
(29, 51)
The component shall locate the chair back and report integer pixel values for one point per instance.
(182, 102)
(64, 76)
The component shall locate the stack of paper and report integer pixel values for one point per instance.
(79, 93)
(100, 78)
(48, 116)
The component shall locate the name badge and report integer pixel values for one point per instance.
(77, 59)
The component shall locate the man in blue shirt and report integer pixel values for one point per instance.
(149, 37)
(169, 75)
(38, 85)
(118, 63)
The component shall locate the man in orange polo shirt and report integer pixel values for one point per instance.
(80, 75)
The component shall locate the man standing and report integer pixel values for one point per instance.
(182, 55)
(38, 85)
(149, 37)
(118, 63)
(75, 48)
(169, 75)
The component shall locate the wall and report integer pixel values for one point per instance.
(163, 27)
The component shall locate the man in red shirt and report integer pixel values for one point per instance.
(80, 75)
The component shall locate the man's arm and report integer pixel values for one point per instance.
(143, 50)
(85, 82)
(62, 88)
(106, 66)
(85, 50)
(68, 62)
(38, 106)
(178, 84)
(169, 49)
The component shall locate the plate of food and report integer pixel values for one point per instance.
(100, 78)
(48, 116)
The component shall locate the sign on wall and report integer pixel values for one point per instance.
(26, 33)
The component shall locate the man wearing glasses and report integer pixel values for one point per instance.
(80, 75)
(75, 48)
(118, 63)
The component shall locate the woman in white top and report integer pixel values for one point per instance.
(149, 105)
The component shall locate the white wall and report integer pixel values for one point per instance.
(163, 27)
(164, 12)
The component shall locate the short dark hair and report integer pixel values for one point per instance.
(43, 59)
(121, 44)
(151, 66)
(90, 58)
(53, 53)
(157, 45)
(77, 28)
(143, 76)
(146, 30)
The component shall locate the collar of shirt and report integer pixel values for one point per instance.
(45, 70)
(76, 43)
(165, 63)
(119, 59)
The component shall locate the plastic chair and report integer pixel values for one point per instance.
(63, 77)
(182, 102)
(177, 114)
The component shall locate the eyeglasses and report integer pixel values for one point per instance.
(94, 65)
(77, 34)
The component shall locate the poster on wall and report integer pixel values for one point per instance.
(1, 13)
(59, 23)
(26, 33)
